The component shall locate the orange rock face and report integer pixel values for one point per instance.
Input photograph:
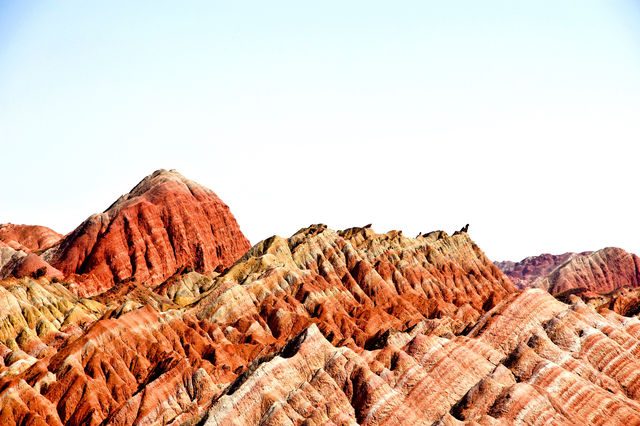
(28, 238)
(18, 247)
(164, 224)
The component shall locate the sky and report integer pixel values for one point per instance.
(520, 118)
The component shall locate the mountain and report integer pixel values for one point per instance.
(27, 238)
(164, 224)
(523, 273)
(359, 288)
(162, 314)
(342, 327)
(601, 271)
(530, 360)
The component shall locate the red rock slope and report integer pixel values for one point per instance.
(601, 271)
(28, 238)
(19, 245)
(165, 223)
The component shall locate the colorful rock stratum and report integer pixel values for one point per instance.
(605, 270)
(325, 327)
(524, 273)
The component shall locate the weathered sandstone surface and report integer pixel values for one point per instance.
(624, 301)
(166, 223)
(21, 264)
(348, 327)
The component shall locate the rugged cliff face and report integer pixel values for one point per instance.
(164, 224)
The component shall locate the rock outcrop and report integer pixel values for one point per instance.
(355, 284)
(602, 271)
(166, 223)
(624, 301)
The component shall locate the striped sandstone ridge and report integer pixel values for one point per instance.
(154, 363)
(37, 316)
(601, 271)
(347, 327)
(164, 224)
(522, 274)
(531, 360)
(19, 264)
(355, 283)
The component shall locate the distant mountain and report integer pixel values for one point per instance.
(523, 273)
(601, 271)
(27, 238)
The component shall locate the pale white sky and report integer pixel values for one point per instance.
(520, 118)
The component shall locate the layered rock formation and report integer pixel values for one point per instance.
(19, 264)
(163, 317)
(163, 225)
(602, 271)
(358, 288)
(348, 327)
(524, 273)
(531, 360)
(624, 301)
